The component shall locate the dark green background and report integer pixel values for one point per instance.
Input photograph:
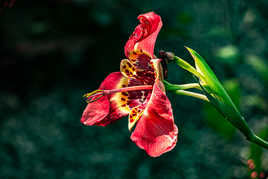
(54, 51)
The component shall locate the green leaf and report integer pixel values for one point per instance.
(211, 80)
(218, 96)
(213, 118)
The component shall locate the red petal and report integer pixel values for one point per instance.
(156, 132)
(109, 108)
(96, 111)
(145, 34)
(111, 81)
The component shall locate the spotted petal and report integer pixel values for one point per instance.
(108, 108)
(156, 132)
(135, 115)
(128, 69)
(145, 34)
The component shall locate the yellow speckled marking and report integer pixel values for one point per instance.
(121, 98)
(127, 68)
(133, 55)
(134, 116)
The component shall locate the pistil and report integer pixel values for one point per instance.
(97, 94)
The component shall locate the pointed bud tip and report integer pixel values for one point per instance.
(189, 49)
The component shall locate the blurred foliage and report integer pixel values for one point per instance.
(228, 54)
(256, 155)
(54, 51)
(260, 66)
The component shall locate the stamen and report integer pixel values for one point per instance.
(97, 94)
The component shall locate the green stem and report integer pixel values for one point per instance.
(172, 87)
(259, 141)
(220, 99)
(238, 121)
(180, 90)
(190, 86)
(192, 94)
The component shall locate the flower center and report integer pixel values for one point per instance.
(97, 94)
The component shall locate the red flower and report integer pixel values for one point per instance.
(138, 91)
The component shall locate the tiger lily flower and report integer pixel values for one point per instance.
(137, 90)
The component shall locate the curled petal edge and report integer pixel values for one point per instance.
(108, 108)
(145, 34)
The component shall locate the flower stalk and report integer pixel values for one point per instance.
(172, 87)
(181, 90)
(192, 94)
(214, 93)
